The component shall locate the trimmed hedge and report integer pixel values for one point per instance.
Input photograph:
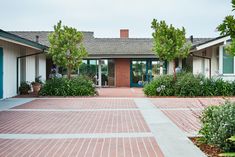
(190, 85)
(77, 86)
(218, 124)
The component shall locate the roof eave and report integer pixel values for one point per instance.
(210, 43)
(21, 41)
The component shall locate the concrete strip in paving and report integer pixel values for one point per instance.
(12, 102)
(73, 136)
(172, 141)
(72, 110)
(180, 109)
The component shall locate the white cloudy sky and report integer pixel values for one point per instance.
(106, 17)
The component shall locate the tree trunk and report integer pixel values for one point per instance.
(174, 69)
(69, 72)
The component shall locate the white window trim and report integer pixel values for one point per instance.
(221, 55)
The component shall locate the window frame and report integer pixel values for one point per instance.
(222, 60)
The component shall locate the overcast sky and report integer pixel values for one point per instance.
(106, 17)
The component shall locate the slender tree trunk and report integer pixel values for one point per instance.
(174, 72)
(69, 72)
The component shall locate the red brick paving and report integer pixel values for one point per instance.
(87, 103)
(43, 122)
(108, 147)
(121, 92)
(199, 103)
(185, 112)
(186, 120)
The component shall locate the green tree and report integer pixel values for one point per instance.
(228, 28)
(169, 43)
(66, 47)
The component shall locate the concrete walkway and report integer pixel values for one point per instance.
(96, 127)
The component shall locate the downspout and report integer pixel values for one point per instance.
(204, 57)
(17, 67)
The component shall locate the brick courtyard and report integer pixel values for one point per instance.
(97, 126)
(96, 118)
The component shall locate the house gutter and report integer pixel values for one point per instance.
(17, 67)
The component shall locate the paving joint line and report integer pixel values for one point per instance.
(76, 136)
(68, 110)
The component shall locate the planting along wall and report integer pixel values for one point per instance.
(122, 70)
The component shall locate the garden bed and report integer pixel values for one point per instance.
(210, 151)
(189, 85)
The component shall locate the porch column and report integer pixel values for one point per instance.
(99, 73)
(161, 68)
(221, 59)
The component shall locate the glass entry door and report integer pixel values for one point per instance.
(138, 72)
(145, 70)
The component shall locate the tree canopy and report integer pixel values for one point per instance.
(228, 28)
(169, 42)
(66, 47)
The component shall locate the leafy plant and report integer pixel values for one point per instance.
(218, 124)
(76, 86)
(231, 154)
(169, 42)
(38, 80)
(188, 84)
(24, 87)
(161, 86)
(66, 47)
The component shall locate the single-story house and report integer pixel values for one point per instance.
(119, 62)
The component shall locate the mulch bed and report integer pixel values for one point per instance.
(210, 151)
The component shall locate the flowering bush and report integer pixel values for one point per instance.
(161, 86)
(218, 124)
(188, 84)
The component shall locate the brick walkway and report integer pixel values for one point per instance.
(76, 127)
(121, 92)
(118, 126)
(186, 112)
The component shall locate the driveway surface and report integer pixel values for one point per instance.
(101, 126)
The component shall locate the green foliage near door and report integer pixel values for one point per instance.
(227, 28)
(169, 42)
(66, 48)
(76, 86)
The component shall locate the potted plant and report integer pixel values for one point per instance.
(24, 88)
(37, 84)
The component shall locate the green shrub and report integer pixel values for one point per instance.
(77, 86)
(24, 87)
(232, 154)
(188, 84)
(161, 86)
(218, 124)
(223, 88)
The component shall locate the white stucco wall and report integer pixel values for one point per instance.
(197, 66)
(30, 66)
(202, 65)
(42, 66)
